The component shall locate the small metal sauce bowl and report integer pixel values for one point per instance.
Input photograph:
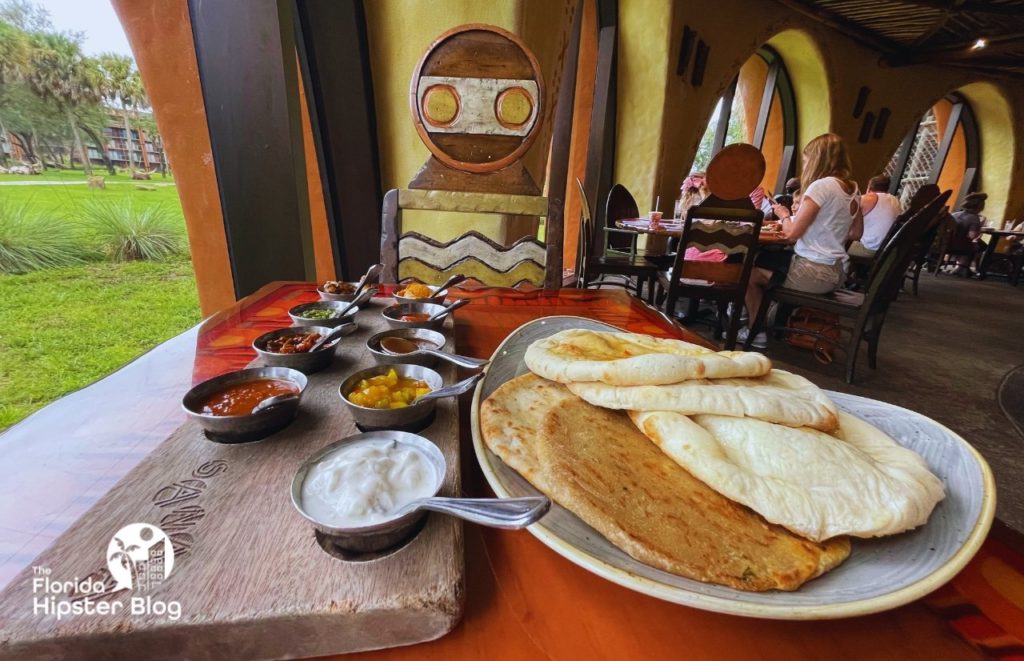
(308, 362)
(252, 426)
(327, 296)
(379, 535)
(392, 418)
(392, 313)
(433, 298)
(336, 306)
(384, 358)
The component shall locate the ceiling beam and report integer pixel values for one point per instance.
(837, 22)
(973, 6)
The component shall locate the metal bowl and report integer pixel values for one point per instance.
(252, 426)
(384, 358)
(379, 535)
(337, 306)
(392, 313)
(344, 298)
(309, 362)
(433, 298)
(408, 416)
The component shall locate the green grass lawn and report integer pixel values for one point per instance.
(119, 310)
(62, 201)
(78, 175)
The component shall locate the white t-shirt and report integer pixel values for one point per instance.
(824, 241)
(878, 221)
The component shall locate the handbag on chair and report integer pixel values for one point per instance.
(825, 325)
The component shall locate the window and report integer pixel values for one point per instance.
(942, 148)
(757, 108)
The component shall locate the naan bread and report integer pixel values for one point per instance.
(780, 397)
(862, 483)
(628, 359)
(595, 463)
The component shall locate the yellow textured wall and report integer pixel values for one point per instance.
(659, 110)
(400, 31)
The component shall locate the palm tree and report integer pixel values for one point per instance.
(59, 72)
(122, 84)
(124, 555)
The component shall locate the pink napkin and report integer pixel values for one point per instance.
(694, 255)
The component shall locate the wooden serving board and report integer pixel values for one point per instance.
(249, 575)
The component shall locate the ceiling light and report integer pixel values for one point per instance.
(979, 44)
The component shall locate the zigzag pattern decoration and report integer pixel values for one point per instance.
(471, 267)
(472, 244)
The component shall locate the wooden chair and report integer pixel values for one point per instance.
(729, 226)
(411, 256)
(620, 205)
(923, 249)
(589, 269)
(866, 311)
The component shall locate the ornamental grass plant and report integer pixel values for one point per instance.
(31, 240)
(125, 231)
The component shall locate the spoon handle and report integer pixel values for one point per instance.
(494, 512)
(451, 391)
(451, 308)
(371, 273)
(450, 282)
(455, 359)
(339, 332)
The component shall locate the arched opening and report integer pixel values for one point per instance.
(758, 108)
(942, 148)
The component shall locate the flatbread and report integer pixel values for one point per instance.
(629, 359)
(859, 482)
(595, 463)
(780, 397)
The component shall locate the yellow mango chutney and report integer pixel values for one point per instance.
(387, 391)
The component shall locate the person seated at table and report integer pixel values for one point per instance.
(828, 217)
(966, 243)
(880, 211)
(693, 191)
(786, 200)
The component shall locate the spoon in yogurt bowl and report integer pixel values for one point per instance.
(509, 513)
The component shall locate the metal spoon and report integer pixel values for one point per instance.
(340, 331)
(494, 512)
(450, 391)
(451, 308)
(361, 298)
(372, 272)
(448, 284)
(273, 401)
(399, 346)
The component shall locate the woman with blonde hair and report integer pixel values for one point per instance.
(828, 218)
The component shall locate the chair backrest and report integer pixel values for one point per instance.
(586, 235)
(620, 205)
(901, 222)
(411, 256)
(892, 260)
(729, 226)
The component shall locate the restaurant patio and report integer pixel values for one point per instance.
(564, 169)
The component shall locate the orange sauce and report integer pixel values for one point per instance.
(415, 317)
(240, 398)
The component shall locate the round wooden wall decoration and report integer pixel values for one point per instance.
(735, 172)
(477, 95)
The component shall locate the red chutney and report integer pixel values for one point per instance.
(415, 317)
(240, 398)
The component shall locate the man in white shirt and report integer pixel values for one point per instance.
(880, 211)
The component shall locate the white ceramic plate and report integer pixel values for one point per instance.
(880, 574)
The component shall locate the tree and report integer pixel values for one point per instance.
(60, 73)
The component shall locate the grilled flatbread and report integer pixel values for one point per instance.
(779, 397)
(595, 463)
(628, 359)
(862, 483)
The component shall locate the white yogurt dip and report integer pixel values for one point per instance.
(363, 483)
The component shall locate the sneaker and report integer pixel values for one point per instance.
(760, 340)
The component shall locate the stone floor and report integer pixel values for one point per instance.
(944, 355)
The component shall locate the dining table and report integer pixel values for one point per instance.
(674, 228)
(522, 599)
(995, 236)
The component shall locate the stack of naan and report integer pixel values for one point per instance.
(711, 465)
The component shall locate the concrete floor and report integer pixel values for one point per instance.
(944, 355)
